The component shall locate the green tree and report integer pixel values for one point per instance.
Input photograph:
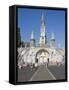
(19, 37)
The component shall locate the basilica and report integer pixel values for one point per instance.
(43, 54)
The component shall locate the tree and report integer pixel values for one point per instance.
(19, 37)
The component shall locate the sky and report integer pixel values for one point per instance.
(30, 20)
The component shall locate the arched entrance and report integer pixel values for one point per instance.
(42, 57)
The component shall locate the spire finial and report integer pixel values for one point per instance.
(42, 16)
(42, 19)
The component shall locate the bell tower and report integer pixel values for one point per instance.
(42, 41)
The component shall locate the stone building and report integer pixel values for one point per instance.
(41, 55)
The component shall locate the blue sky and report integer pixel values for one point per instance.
(30, 20)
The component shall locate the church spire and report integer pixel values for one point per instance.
(32, 35)
(52, 36)
(42, 19)
(32, 40)
(52, 40)
(42, 41)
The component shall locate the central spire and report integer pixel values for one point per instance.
(43, 20)
(42, 41)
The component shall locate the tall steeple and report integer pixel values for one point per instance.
(32, 40)
(42, 41)
(52, 40)
(42, 19)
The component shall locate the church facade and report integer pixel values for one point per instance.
(42, 54)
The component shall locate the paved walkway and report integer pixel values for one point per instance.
(42, 74)
(26, 73)
(58, 72)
